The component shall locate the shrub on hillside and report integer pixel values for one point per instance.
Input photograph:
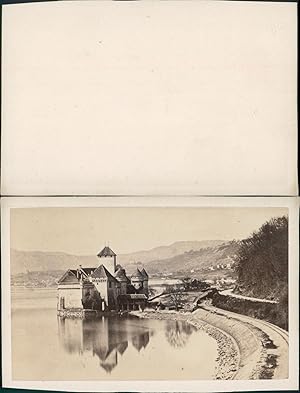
(274, 313)
(262, 270)
(262, 261)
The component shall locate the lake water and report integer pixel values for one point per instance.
(46, 347)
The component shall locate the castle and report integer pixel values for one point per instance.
(103, 289)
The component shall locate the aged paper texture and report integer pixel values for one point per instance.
(149, 98)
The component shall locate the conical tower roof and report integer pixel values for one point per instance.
(137, 275)
(121, 275)
(106, 252)
(144, 273)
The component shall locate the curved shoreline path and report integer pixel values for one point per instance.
(258, 349)
(274, 340)
(264, 347)
(229, 292)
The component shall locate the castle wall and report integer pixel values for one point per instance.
(102, 287)
(112, 295)
(109, 263)
(123, 288)
(69, 296)
(145, 286)
(108, 292)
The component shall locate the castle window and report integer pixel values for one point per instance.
(109, 284)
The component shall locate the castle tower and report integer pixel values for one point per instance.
(137, 280)
(120, 275)
(108, 259)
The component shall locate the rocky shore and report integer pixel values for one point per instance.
(228, 358)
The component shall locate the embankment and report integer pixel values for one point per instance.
(270, 312)
(272, 344)
(249, 342)
(245, 350)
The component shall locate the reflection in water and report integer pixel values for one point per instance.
(66, 353)
(140, 341)
(106, 337)
(178, 332)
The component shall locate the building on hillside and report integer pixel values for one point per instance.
(103, 288)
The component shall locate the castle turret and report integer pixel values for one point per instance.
(120, 275)
(137, 280)
(108, 259)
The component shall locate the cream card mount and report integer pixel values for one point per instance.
(149, 98)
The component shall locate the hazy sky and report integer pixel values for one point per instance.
(85, 230)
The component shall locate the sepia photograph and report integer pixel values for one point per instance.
(113, 293)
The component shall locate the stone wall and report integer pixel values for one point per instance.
(72, 296)
(75, 313)
(270, 312)
(250, 347)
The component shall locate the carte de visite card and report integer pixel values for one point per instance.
(183, 294)
(116, 274)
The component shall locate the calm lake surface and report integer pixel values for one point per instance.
(46, 347)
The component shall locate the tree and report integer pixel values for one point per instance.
(171, 288)
(91, 300)
(178, 333)
(193, 284)
(186, 281)
(176, 298)
(86, 300)
(262, 260)
(199, 285)
(95, 300)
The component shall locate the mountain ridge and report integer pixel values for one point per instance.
(24, 261)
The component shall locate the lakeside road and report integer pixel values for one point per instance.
(229, 292)
(248, 348)
(274, 342)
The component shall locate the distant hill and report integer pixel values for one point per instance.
(38, 269)
(164, 252)
(196, 260)
(24, 261)
(28, 261)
